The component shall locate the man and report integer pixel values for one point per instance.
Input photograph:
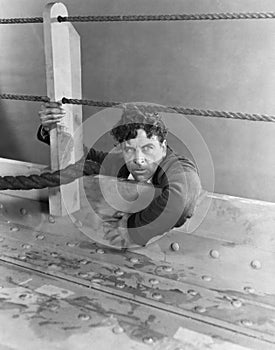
(144, 157)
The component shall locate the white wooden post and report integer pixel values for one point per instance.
(63, 72)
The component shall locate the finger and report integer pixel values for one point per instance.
(118, 214)
(116, 240)
(51, 116)
(110, 219)
(112, 224)
(107, 231)
(110, 234)
(50, 120)
(53, 111)
(47, 107)
(52, 104)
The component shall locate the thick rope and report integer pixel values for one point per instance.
(150, 108)
(50, 179)
(178, 109)
(30, 98)
(143, 18)
(21, 20)
(173, 17)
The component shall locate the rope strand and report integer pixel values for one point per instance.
(30, 98)
(83, 167)
(173, 17)
(143, 18)
(150, 108)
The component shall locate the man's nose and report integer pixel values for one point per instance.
(139, 158)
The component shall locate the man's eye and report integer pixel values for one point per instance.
(128, 149)
(147, 148)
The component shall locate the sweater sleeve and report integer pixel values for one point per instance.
(43, 135)
(96, 156)
(91, 154)
(180, 191)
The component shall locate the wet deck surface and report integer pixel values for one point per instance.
(61, 290)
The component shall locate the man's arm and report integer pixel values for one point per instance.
(180, 191)
(43, 135)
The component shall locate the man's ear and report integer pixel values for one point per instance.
(117, 148)
(164, 145)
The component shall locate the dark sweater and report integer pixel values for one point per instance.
(180, 188)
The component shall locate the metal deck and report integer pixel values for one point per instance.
(61, 290)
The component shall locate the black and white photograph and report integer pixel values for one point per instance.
(137, 175)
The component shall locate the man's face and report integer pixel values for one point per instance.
(142, 155)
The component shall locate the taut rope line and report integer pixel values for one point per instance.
(150, 18)
(150, 108)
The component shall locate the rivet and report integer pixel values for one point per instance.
(83, 274)
(100, 251)
(118, 330)
(134, 260)
(51, 219)
(214, 254)
(97, 280)
(148, 340)
(118, 272)
(157, 296)
(228, 298)
(54, 254)
(22, 257)
(249, 290)
(14, 228)
(25, 296)
(84, 262)
(153, 281)
(167, 268)
(71, 244)
(84, 317)
(2, 239)
(40, 236)
(236, 303)
(247, 323)
(206, 278)
(120, 285)
(1, 206)
(255, 264)
(192, 292)
(175, 246)
(200, 309)
(54, 266)
(23, 211)
(26, 246)
(53, 307)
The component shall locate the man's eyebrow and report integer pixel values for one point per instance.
(127, 145)
(148, 144)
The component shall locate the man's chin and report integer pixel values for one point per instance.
(140, 177)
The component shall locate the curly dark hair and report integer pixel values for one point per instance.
(134, 118)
